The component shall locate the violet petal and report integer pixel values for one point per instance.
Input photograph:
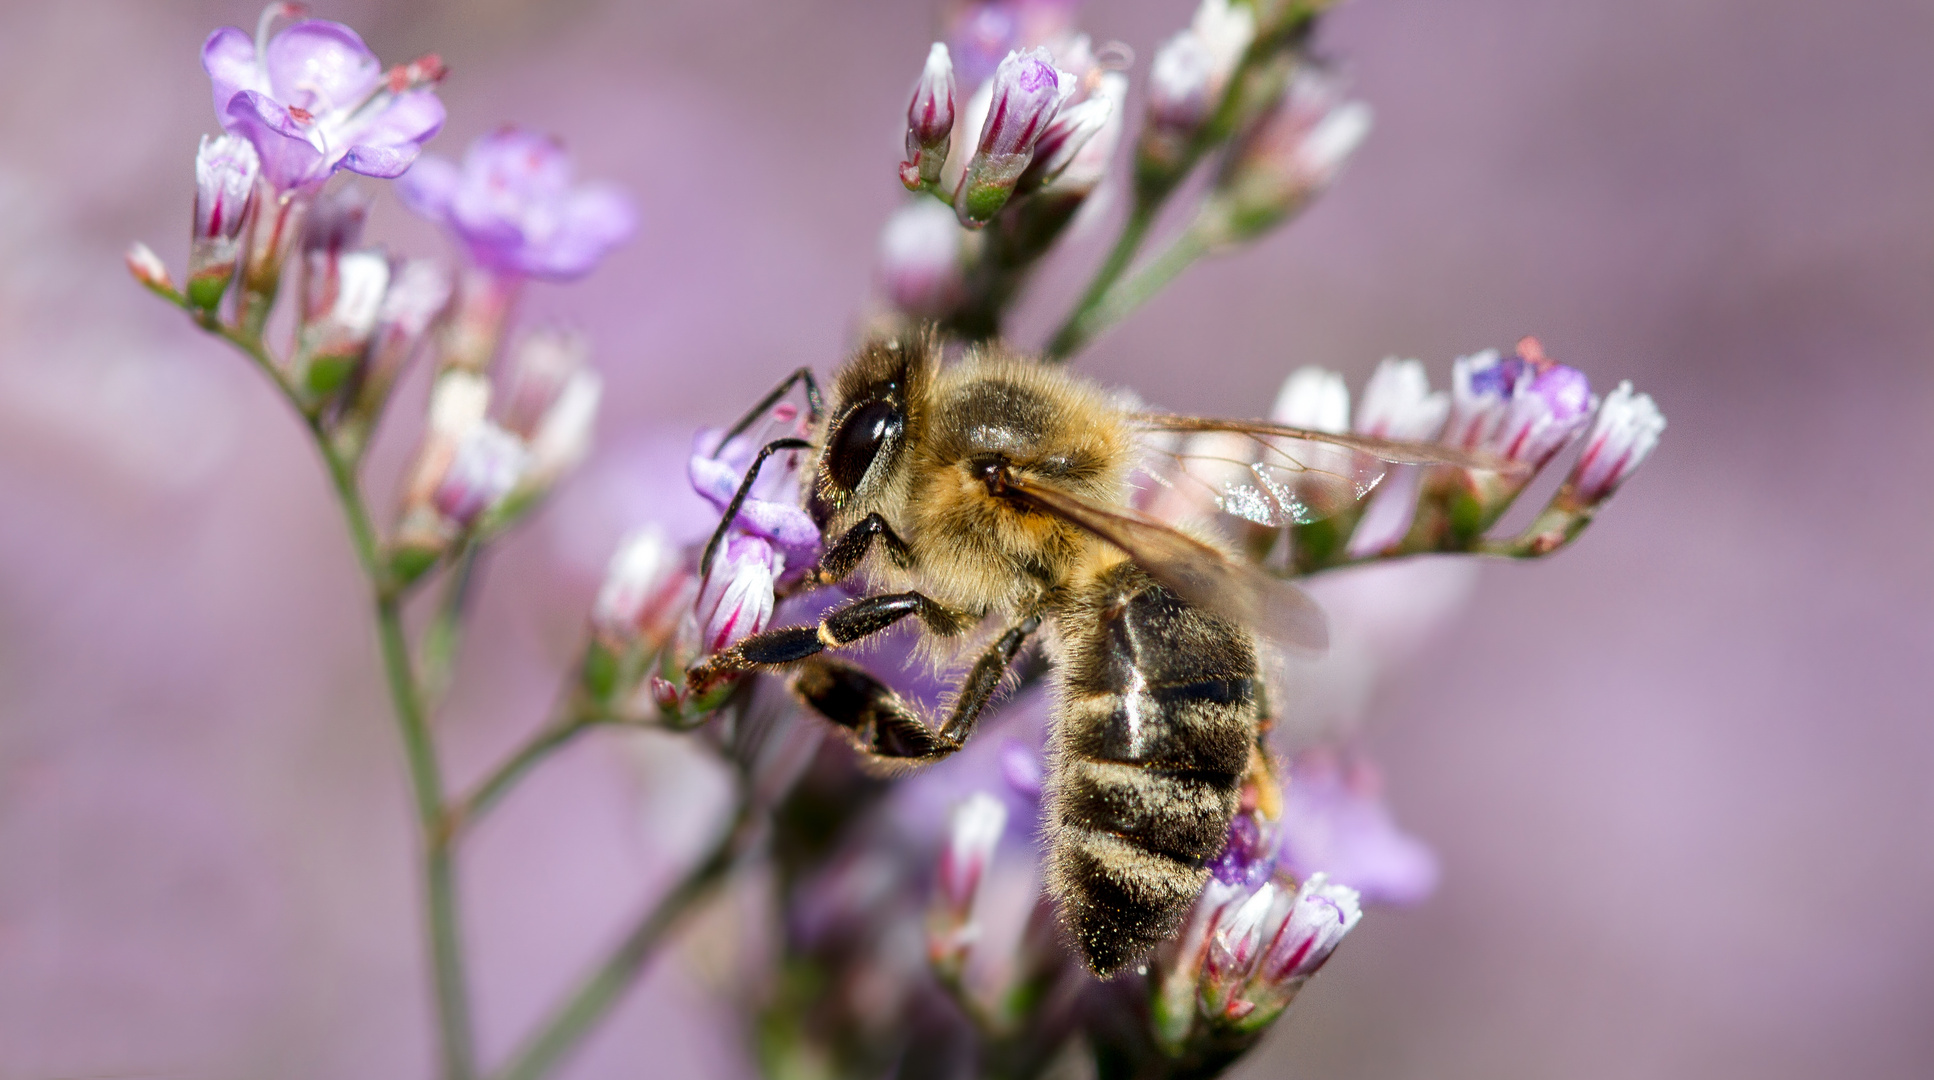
(429, 186)
(288, 158)
(229, 58)
(320, 65)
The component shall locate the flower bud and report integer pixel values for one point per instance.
(1398, 403)
(1627, 429)
(1309, 932)
(1524, 408)
(563, 434)
(1024, 97)
(1179, 79)
(487, 464)
(645, 591)
(1089, 162)
(333, 342)
(1071, 131)
(335, 225)
(419, 292)
(930, 121)
(149, 270)
(735, 601)
(975, 832)
(542, 364)
(920, 259)
(225, 173)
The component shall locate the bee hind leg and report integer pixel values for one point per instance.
(884, 725)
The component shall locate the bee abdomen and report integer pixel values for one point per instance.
(1156, 727)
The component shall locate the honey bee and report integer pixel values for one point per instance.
(990, 499)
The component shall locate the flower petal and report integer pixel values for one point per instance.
(429, 186)
(321, 65)
(381, 162)
(289, 160)
(229, 58)
(408, 120)
(596, 219)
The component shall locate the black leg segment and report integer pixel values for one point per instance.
(844, 556)
(739, 497)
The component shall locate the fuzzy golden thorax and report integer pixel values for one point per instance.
(969, 549)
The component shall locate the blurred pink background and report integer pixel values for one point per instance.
(1681, 777)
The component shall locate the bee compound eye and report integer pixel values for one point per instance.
(858, 441)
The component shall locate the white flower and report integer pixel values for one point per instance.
(1311, 929)
(975, 831)
(1398, 403)
(643, 589)
(1627, 430)
(1314, 398)
(920, 258)
(486, 466)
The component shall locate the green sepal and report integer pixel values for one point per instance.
(325, 375)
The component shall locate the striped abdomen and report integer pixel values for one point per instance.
(1151, 740)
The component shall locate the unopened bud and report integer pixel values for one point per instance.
(541, 365)
(1070, 132)
(1179, 82)
(149, 270)
(225, 173)
(1627, 430)
(930, 121)
(562, 438)
(419, 291)
(486, 466)
(1398, 403)
(736, 599)
(920, 259)
(334, 341)
(645, 591)
(334, 226)
(1025, 95)
(1311, 930)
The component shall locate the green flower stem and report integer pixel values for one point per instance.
(1117, 298)
(607, 983)
(1074, 332)
(465, 811)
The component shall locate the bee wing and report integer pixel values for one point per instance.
(1193, 570)
(1277, 475)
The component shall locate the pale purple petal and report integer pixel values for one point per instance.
(596, 220)
(229, 58)
(405, 122)
(288, 158)
(429, 186)
(1335, 822)
(320, 66)
(381, 162)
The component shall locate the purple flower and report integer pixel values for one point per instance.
(1524, 407)
(981, 33)
(1335, 822)
(772, 512)
(514, 207)
(314, 99)
(1249, 857)
(736, 600)
(1628, 427)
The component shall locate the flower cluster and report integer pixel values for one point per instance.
(913, 934)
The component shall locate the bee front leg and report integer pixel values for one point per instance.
(842, 626)
(884, 725)
(839, 561)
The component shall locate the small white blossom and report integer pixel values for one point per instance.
(486, 466)
(1628, 428)
(643, 589)
(1399, 404)
(1314, 398)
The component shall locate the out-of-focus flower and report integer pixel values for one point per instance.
(930, 121)
(973, 834)
(542, 365)
(1315, 398)
(562, 438)
(735, 601)
(1291, 155)
(225, 171)
(1021, 769)
(148, 269)
(333, 226)
(645, 591)
(1627, 429)
(1335, 821)
(313, 99)
(1524, 407)
(981, 32)
(1249, 857)
(772, 512)
(486, 467)
(514, 207)
(458, 403)
(1024, 98)
(1192, 69)
(920, 259)
(419, 292)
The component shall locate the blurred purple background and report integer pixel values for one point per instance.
(1681, 777)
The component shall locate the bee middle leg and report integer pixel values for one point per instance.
(842, 626)
(884, 725)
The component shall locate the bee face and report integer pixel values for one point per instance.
(875, 417)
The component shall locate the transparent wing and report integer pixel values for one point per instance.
(1196, 572)
(1275, 475)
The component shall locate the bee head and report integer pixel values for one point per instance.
(874, 413)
